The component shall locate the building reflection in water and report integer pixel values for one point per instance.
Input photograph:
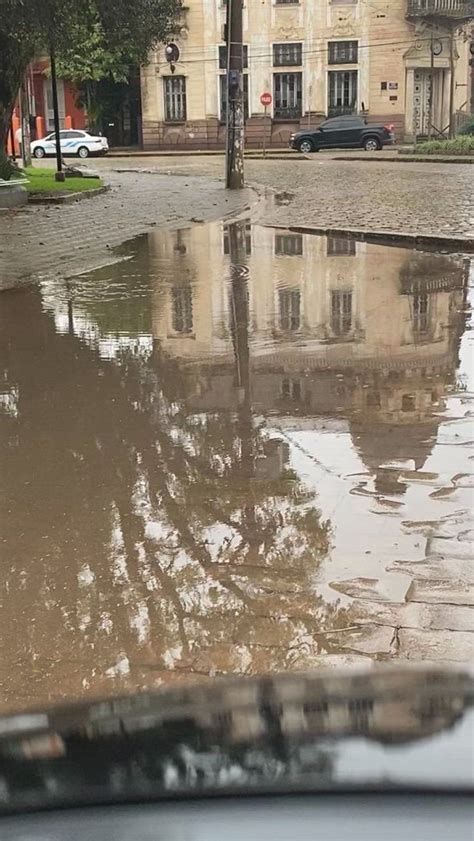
(149, 512)
(337, 328)
(371, 729)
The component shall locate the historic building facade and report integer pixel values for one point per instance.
(316, 58)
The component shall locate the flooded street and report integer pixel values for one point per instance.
(236, 450)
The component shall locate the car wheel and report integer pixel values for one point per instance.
(372, 144)
(83, 152)
(39, 152)
(306, 146)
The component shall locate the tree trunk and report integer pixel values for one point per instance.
(13, 63)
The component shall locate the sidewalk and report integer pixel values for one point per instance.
(67, 239)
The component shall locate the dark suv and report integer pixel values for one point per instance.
(343, 132)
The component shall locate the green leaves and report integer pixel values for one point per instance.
(93, 38)
(97, 58)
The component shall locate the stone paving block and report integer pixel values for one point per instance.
(414, 615)
(338, 661)
(447, 548)
(368, 639)
(365, 588)
(454, 646)
(440, 592)
(444, 569)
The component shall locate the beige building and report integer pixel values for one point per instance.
(316, 58)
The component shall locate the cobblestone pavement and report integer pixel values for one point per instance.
(65, 239)
(425, 198)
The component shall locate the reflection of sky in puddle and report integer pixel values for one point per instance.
(232, 455)
(107, 308)
(109, 346)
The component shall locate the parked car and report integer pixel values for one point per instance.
(73, 142)
(345, 132)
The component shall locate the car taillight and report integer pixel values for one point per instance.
(389, 127)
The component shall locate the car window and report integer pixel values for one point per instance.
(331, 125)
(76, 134)
(343, 122)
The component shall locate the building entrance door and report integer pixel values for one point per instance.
(421, 102)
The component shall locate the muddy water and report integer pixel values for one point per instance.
(236, 450)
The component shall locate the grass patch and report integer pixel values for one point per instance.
(42, 181)
(463, 145)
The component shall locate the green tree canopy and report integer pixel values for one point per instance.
(92, 57)
(84, 33)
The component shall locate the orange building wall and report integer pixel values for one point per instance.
(77, 115)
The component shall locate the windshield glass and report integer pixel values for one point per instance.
(236, 380)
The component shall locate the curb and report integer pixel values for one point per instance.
(410, 159)
(284, 154)
(386, 237)
(195, 153)
(69, 198)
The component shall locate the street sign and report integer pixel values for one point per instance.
(266, 100)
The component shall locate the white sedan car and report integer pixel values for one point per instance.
(73, 142)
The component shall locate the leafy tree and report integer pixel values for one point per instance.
(83, 31)
(92, 57)
(100, 70)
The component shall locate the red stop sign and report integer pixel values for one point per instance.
(266, 99)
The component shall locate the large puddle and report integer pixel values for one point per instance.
(238, 450)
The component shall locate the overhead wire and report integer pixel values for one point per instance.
(305, 53)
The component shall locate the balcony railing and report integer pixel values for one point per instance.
(463, 9)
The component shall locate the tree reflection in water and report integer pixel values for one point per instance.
(140, 541)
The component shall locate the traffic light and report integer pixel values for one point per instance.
(234, 81)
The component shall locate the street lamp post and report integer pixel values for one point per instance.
(25, 123)
(60, 175)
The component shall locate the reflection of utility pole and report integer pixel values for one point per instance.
(235, 98)
(70, 317)
(240, 337)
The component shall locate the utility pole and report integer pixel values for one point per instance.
(235, 97)
(60, 175)
(452, 126)
(430, 112)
